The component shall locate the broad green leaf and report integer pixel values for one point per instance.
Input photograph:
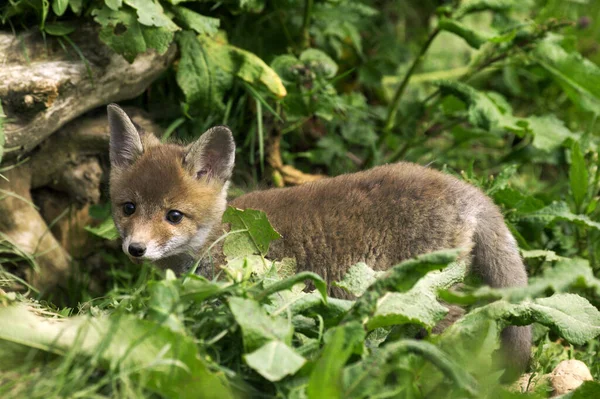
(483, 112)
(419, 305)
(549, 256)
(578, 176)
(578, 76)
(287, 66)
(200, 23)
(242, 64)
(357, 279)
(319, 62)
(167, 362)
(255, 238)
(275, 360)
(258, 328)
(113, 4)
(587, 390)
(122, 32)
(59, 28)
(106, 229)
(164, 305)
(151, 13)
(549, 132)
(60, 6)
(399, 278)
(197, 77)
(76, 6)
(326, 378)
(473, 38)
(559, 211)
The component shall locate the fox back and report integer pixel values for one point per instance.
(168, 201)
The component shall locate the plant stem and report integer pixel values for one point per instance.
(306, 23)
(393, 108)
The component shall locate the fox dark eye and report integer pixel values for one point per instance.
(174, 216)
(129, 208)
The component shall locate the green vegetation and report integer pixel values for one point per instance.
(495, 91)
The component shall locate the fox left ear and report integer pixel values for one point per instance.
(212, 155)
(125, 141)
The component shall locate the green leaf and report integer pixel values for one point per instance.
(587, 390)
(106, 229)
(559, 211)
(151, 13)
(326, 378)
(289, 282)
(113, 4)
(578, 176)
(578, 76)
(513, 199)
(419, 305)
(258, 328)
(167, 362)
(197, 76)
(399, 278)
(483, 112)
(255, 238)
(474, 38)
(198, 288)
(242, 64)
(164, 305)
(357, 279)
(122, 32)
(59, 28)
(549, 132)
(287, 67)
(320, 62)
(275, 360)
(77, 5)
(202, 24)
(60, 6)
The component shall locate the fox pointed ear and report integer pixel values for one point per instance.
(212, 156)
(125, 141)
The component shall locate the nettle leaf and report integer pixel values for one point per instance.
(419, 305)
(165, 361)
(483, 112)
(106, 229)
(202, 83)
(202, 24)
(549, 132)
(559, 211)
(578, 76)
(60, 6)
(319, 62)
(243, 64)
(513, 199)
(565, 275)
(275, 360)
(113, 4)
(258, 328)
(326, 378)
(151, 13)
(578, 176)
(474, 38)
(399, 278)
(122, 32)
(357, 279)
(255, 239)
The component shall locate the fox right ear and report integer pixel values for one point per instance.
(212, 156)
(125, 142)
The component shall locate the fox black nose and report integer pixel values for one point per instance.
(136, 249)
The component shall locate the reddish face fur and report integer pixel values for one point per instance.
(156, 183)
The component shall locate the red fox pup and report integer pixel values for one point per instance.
(168, 201)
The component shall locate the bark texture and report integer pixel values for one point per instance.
(45, 84)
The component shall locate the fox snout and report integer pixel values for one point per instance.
(136, 249)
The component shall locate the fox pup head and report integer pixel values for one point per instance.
(166, 198)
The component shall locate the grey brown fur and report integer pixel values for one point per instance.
(380, 216)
